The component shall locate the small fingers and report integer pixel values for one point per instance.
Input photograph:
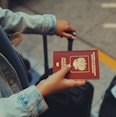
(80, 82)
(62, 72)
(67, 35)
(75, 83)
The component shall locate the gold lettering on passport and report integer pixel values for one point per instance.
(93, 64)
(80, 64)
(63, 62)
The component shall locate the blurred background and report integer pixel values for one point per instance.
(95, 22)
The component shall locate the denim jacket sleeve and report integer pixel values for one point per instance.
(27, 103)
(19, 21)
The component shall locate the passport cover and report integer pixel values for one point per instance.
(84, 63)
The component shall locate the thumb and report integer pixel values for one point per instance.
(62, 72)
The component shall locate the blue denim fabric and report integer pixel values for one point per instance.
(38, 24)
(10, 53)
(26, 103)
(9, 75)
(5, 89)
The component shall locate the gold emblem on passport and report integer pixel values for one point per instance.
(79, 64)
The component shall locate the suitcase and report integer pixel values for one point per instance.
(108, 105)
(74, 102)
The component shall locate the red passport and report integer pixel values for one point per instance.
(84, 63)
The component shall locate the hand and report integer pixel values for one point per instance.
(57, 82)
(62, 27)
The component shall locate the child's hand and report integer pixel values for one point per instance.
(62, 27)
(57, 82)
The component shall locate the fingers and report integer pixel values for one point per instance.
(67, 35)
(62, 29)
(75, 83)
(61, 73)
(79, 82)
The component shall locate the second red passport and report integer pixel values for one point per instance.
(84, 63)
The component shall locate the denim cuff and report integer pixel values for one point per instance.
(33, 101)
(27, 103)
(49, 24)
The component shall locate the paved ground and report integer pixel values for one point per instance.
(96, 26)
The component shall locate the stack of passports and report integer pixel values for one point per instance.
(84, 63)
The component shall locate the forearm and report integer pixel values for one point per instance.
(28, 103)
(12, 22)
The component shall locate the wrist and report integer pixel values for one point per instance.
(42, 88)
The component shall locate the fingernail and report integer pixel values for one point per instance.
(73, 37)
(74, 33)
(69, 65)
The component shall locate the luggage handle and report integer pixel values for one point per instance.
(45, 49)
(70, 41)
